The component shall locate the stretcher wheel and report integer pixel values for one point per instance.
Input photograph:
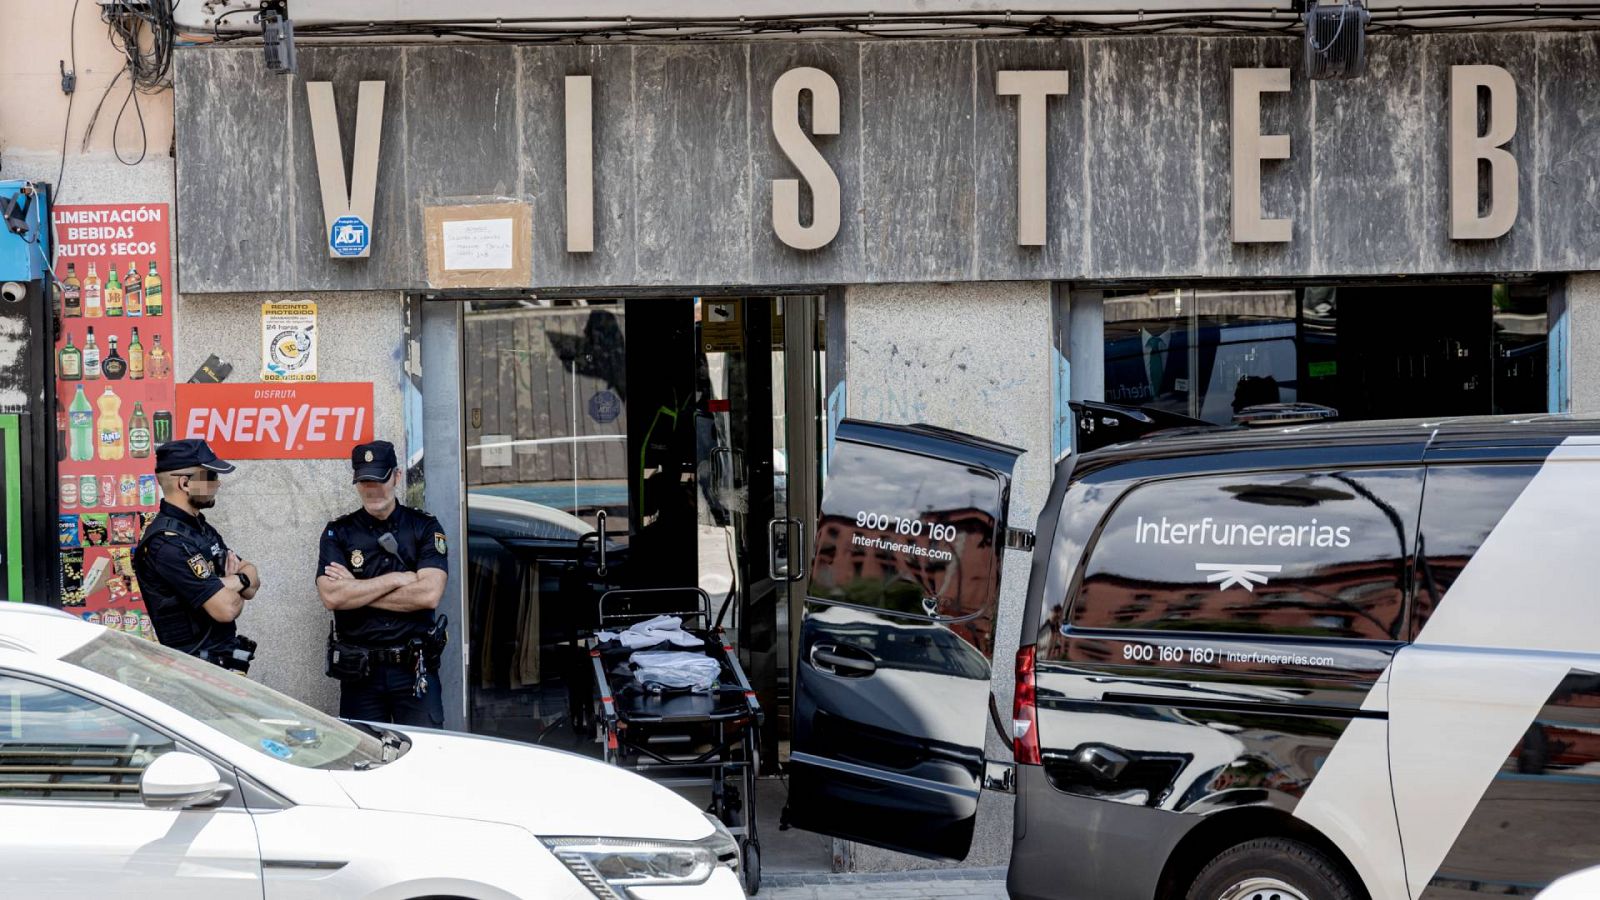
(750, 866)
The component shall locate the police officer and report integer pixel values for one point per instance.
(194, 586)
(382, 571)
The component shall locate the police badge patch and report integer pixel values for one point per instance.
(439, 542)
(356, 559)
(199, 566)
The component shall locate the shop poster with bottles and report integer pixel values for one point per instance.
(114, 389)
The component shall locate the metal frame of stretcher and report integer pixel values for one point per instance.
(694, 740)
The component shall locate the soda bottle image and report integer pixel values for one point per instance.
(91, 295)
(71, 362)
(152, 292)
(91, 356)
(111, 430)
(72, 293)
(133, 292)
(138, 433)
(80, 428)
(61, 442)
(113, 294)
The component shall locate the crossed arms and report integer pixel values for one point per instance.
(228, 602)
(396, 592)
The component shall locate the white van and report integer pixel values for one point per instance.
(1324, 662)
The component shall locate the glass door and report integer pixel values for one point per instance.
(549, 516)
(627, 444)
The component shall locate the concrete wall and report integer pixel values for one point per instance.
(975, 357)
(1583, 337)
(272, 511)
(1139, 182)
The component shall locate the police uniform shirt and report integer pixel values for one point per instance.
(352, 542)
(183, 571)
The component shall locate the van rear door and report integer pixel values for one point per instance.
(892, 684)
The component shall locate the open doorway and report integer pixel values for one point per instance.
(624, 444)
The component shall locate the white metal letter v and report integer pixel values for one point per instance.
(341, 199)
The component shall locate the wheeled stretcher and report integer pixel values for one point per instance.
(682, 739)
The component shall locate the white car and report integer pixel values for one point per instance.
(1583, 885)
(130, 770)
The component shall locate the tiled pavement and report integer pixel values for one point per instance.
(936, 884)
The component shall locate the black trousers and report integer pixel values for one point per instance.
(389, 695)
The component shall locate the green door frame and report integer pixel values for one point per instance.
(10, 430)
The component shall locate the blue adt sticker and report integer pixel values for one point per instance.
(605, 407)
(350, 236)
(276, 749)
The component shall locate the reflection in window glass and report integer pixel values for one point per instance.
(1315, 554)
(1203, 354)
(1368, 351)
(60, 746)
(547, 424)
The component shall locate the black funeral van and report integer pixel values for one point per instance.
(1314, 662)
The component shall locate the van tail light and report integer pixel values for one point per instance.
(1025, 712)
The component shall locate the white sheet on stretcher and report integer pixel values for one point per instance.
(674, 669)
(652, 632)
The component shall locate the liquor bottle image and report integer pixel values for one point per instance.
(113, 294)
(110, 430)
(158, 367)
(135, 357)
(91, 295)
(133, 292)
(138, 433)
(152, 292)
(72, 293)
(70, 362)
(80, 428)
(91, 356)
(114, 366)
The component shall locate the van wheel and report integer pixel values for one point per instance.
(1272, 869)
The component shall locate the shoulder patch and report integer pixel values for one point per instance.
(439, 543)
(200, 566)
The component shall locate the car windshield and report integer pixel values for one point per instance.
(252, 714)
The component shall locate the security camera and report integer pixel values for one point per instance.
(14, 291)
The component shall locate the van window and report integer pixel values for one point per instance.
(1312, 553)
(1461, 506)
(911, 535)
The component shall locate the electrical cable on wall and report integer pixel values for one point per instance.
(1438, 18)
(145, 33)
(69, 83)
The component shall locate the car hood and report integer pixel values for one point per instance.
(548, 792)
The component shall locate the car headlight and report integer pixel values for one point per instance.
(610, 866)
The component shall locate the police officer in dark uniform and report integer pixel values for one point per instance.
(382, 571)
(194, 586)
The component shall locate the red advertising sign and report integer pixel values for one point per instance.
(304, 420)
(114, 395)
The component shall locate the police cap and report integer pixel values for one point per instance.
(374, 461)
(187, 454)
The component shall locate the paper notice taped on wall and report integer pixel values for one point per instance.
(478, 244)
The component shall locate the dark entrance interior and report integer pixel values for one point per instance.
(664, 442)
